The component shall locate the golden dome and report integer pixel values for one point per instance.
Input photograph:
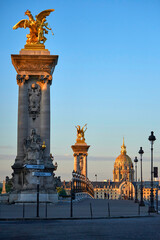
(123, 167)
(123, 158)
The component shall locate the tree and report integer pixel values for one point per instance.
(61, 192)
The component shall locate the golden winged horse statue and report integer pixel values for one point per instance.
(37, 27)
(80, 133)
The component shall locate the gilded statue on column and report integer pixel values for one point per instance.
(37, 27)
(80, 133)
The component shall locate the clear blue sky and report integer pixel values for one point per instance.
(108, 76)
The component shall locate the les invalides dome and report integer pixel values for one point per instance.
(123, 167)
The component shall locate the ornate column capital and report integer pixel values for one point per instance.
(85, 154)
(45, 78)
(75, 154)
(21, 79)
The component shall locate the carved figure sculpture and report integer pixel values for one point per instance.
(52, 159)
(42, 30)
(33, 148)
(37, 27)
(34, 98)
(80, 133)
(81, 162)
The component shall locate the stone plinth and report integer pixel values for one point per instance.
(34, 69)
(31, 197)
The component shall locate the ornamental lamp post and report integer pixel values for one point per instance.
(38, 181)
(96, 177)
(152, 138)
(141, 203)
(71, 208)
(136, 199)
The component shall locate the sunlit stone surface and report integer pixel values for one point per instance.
(34, 69)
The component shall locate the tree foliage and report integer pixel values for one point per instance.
(61, 191)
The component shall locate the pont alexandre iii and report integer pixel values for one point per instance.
(34, 66)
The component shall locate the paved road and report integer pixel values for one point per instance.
(108, 229)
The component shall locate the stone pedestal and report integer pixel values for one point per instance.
(80, 158)
(34, 77)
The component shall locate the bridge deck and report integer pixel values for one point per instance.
(81, 209)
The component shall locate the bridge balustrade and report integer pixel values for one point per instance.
(82, 184)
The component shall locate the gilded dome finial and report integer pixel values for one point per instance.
(123, 148)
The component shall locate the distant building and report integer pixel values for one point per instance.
(114, 190)
(123, 167)
(123, 184)
(106, 190)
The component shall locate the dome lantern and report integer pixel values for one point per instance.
(123, 148)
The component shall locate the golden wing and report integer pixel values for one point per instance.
(21, 24)
(43, 14)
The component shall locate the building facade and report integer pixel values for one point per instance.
(123, 184)
(113, 190)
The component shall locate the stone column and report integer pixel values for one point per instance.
(4, 188)
(85, 165)
(22, 115)
(45, 118)
(75, 162)
(34, 68)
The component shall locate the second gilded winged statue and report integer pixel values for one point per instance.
(37, 27)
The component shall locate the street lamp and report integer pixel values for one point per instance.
(96, 177)
(136, 160)
(141, 199)
(152, 138)
(71, 209)
(43, 147)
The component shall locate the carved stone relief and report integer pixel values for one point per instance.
(81, 163)
(33, 148)
(34, 98)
